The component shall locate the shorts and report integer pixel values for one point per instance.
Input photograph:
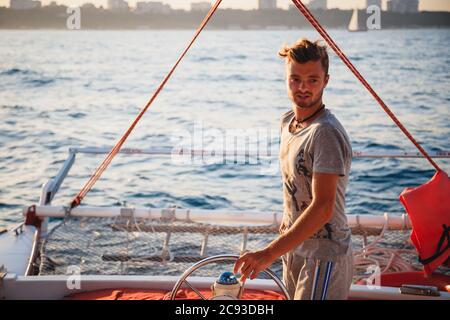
(315, 279)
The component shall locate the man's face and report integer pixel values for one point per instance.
(305, 83)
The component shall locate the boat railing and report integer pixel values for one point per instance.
(50, 188)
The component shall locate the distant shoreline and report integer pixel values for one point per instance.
(230, 30)
(55, 18)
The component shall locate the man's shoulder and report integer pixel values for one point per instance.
(330, 127)
(329, 123)
(285, 117)
(324, 127)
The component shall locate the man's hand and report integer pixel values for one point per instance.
(283, 227)
(252, 263)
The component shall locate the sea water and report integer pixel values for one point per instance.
(62, 89)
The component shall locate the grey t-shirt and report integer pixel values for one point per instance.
(322, 147)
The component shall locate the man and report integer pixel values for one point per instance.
(315, 159)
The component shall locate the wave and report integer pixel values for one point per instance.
(77, 115)
(39, 82)
(356, 58)
(9, 206)
(237, 57)
(205, 59)
(206, 202)
(232, 77)
(17, 107)
(31, 77)
(379, 146)
(17, 71)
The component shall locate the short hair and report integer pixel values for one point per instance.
(304, 50)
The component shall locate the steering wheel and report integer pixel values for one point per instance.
(215, 259)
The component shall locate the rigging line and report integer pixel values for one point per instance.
(96, 175)
(308, 15)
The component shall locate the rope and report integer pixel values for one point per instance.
(97, 174)
(308, 15)
(386, 259)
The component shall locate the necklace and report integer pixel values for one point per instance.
(311, 116)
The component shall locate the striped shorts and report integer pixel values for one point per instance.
(315, 279)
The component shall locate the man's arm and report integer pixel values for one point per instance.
(318, 213)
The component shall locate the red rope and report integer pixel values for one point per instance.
(96, 175)
(308, 15)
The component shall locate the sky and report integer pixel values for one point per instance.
(431, 5)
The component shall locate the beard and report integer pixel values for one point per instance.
(310, 104)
